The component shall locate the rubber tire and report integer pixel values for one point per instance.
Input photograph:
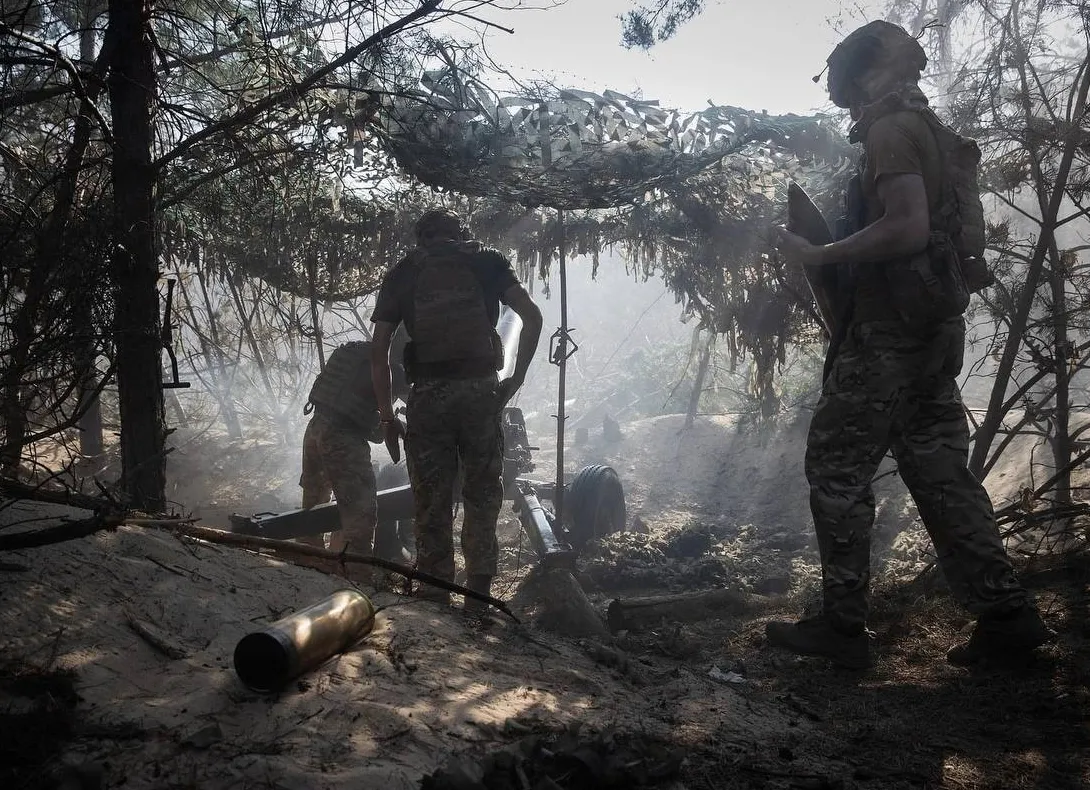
(594, 505)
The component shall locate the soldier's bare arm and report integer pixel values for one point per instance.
(380, 368)
(520, 301)
(392, 429)
(903, 230)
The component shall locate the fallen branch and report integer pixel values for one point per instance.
(154, 637)
(71, 530)
(17, 490)
(159, 522)
(1014, 514)
(1012, 520)
(344, 557)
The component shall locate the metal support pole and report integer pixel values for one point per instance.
(562, 361)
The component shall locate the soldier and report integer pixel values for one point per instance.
(891, 382)
(447, 291)
(336, 450)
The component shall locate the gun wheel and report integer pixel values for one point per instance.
(594, 504)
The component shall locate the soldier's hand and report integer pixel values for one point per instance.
(392, 431)
(506, 390)
(795, 248)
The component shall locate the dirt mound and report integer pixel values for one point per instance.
(424, 685)
(732, 468)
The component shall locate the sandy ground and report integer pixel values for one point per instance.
(427, 684)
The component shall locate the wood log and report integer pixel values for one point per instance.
(635, 614)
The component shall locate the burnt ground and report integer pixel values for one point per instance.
(912, 721)
(661, 718)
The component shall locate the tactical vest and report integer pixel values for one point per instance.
(344, 388)
(961, 212)
(450, 315)
(937, 286)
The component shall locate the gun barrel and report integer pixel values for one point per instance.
(551, 550)
(509, 328)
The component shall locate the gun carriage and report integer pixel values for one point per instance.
(593, 500)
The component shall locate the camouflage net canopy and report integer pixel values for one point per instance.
(579, 150)
(689, 197)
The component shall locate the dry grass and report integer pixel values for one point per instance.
(914, 721)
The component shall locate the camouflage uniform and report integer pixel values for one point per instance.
(448, 420)
(891, 389)
(447, 293)
(337, 459)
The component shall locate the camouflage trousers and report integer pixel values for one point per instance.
(890, 390)
(337, 460)
(452, 420)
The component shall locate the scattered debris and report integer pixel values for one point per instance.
(155, 637)
(569, 760)
(726, 677)
(204, 737)
(36, 720)
(615, 659)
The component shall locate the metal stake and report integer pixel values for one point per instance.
(562, 362)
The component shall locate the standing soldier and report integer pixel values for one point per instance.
(336, 450)
(891, 382)
(447, 291)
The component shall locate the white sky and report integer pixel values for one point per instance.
(757, 54)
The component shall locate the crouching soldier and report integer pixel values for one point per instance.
(447, 291)
(336, 449)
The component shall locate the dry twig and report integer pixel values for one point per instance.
(343, 557)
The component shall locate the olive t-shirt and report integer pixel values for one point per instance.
(395, 297)
(896, 144)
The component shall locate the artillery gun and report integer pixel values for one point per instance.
(593, 501)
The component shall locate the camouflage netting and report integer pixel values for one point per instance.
(690, 197)
(580, 150)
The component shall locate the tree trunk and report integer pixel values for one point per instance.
(221, 382)
(698, 382)
(133, 264)
(50, 240)
(993, 418)
(1061, 438)
(246, 321)
(91, 442)
(315, 323)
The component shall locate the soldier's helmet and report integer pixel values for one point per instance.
(439, 225)
(877, 44)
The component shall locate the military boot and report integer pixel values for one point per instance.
(479, 583)
(815, 636)
(1002, 639)
(426, 592)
